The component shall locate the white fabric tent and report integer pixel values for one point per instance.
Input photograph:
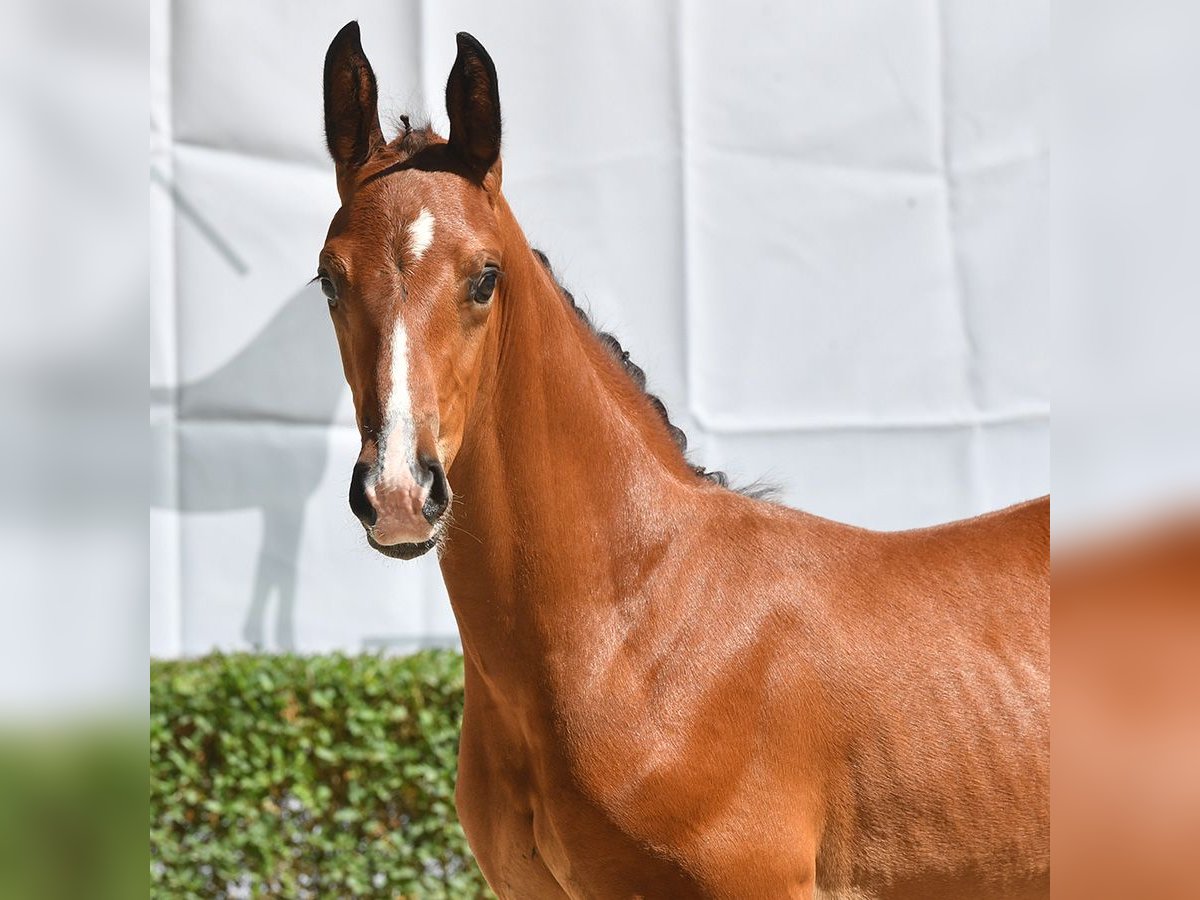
(820, 228)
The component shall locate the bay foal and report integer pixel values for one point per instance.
(673, 690)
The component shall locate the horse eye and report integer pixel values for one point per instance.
(481, 291)
(329, 289)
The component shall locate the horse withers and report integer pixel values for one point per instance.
(672, 689)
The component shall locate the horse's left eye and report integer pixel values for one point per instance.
(329, 289)
(485, 285)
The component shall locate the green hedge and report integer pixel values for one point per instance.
(324, 776)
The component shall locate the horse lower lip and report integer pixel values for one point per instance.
(392, 533)
(403, 551)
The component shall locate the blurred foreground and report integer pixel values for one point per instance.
(72, 450)
(1126, 714)
(71, 814)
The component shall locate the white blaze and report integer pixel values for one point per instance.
(420, 234)
(399, 451)
(399, 447)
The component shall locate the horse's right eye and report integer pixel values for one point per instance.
(329, 289)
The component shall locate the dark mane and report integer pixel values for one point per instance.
(638, 376)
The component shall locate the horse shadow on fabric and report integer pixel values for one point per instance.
(273, 401)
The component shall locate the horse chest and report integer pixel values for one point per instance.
(537, 833)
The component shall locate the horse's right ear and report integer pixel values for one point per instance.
(351, 102)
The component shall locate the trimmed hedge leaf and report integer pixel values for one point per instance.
(322, 776)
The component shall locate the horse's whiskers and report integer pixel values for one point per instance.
(450, 522)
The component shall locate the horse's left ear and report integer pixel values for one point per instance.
(473, 104)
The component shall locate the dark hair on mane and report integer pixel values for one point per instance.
(412, 139)
(638, 376)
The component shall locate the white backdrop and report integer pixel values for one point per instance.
(820, 228)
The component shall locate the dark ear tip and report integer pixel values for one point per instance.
(348, 33)
(469, 43)
(345, 42)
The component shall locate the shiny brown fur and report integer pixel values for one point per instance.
(674, 690)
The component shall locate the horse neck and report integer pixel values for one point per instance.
(567, 484)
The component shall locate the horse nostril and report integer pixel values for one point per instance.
(439, 491)
(359, 504)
